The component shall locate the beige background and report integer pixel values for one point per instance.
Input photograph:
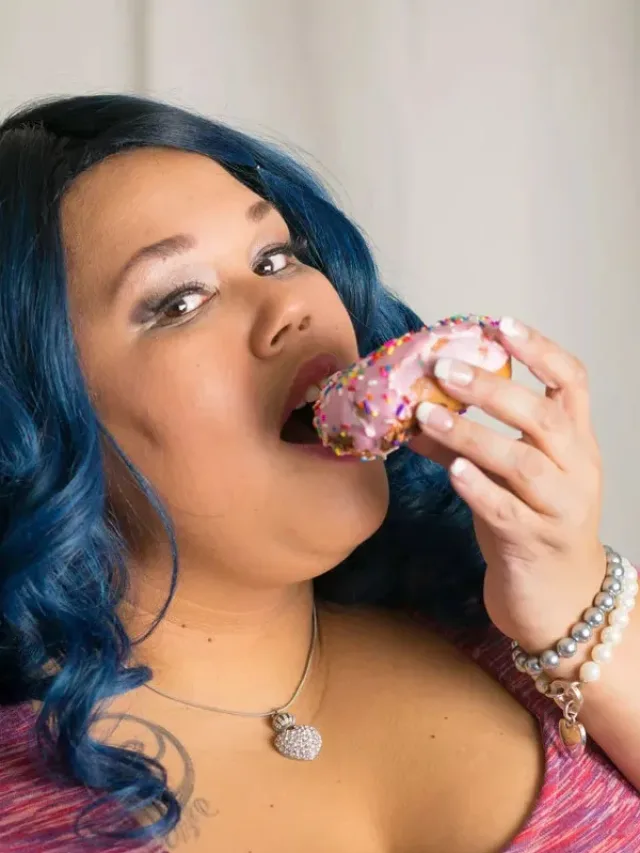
(490, 148)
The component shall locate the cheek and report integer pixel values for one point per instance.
(180, 420)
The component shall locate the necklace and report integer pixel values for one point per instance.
(291, 741)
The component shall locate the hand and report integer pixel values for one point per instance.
(536, 500)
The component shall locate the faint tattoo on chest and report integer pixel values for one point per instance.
(154, 741)
(193, 814)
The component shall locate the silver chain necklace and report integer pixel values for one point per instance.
(292, 741)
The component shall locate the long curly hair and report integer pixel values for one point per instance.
(63, 566)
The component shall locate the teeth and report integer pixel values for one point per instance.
(312, 394)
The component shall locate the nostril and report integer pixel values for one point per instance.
(303, 325)
(275, 340)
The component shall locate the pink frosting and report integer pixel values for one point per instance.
(368, 409)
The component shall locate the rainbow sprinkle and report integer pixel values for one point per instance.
(399, 432)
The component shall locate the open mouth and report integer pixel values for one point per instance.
(297, 417)
(298, 428)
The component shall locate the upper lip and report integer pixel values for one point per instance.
(312, 372)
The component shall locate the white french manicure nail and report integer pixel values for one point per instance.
(512, 328)
(437, 417)
(442, 368)
(453, 372)
(423, 412)
(459, 467)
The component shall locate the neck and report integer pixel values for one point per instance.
(236, 649)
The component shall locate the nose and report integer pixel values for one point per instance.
(281, 319)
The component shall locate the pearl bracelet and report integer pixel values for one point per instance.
(613, 604)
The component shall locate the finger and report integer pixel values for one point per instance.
(545, 423)
(564, 375)
(530, 474)
(501, 510)
(433, 450)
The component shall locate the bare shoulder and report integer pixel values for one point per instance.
(459, 759)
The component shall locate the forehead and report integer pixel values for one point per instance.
(142, 196)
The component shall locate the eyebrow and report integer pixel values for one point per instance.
(179, 244)
(259, 210)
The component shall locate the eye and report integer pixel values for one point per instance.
(177, 305)
(276, 258)
(183, 305)
(273, 263)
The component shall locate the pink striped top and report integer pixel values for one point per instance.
(585, 805)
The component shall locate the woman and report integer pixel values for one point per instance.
(176, 564)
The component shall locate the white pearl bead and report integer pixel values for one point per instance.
(626, 603)
(631, 572)
(589, 671)
(631, 588)
(612, 635)
(619, 618)
(602, 653)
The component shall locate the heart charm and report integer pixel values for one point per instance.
(302, 743)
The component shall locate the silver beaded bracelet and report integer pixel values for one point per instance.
(613, 604)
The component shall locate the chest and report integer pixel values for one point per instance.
(260, 802)
(422, 752)
(378, 786)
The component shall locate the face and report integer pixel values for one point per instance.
(198, 329)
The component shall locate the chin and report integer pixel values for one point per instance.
(351, 513)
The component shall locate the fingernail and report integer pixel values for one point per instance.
(435, 417)
(513, 328)
(453, 372)
(459, 467)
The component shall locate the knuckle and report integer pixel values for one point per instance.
(506, 513)
(587, 462)
(529, 463)
(579, 373)
(549, 416)
(592, 467)
(595, 466)
(469, 441)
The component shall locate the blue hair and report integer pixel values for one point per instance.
(62, 558)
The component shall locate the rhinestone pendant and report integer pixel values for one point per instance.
(574, 736)
(302, 743)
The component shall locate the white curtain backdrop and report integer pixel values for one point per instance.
(489, 148)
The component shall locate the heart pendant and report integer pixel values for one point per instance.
(574, 735)
(302, 743)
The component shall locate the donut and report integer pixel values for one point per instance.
(369, 409)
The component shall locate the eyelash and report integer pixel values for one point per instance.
(293, 248)
(153, 308)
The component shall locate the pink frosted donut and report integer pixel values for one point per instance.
(368, 410)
